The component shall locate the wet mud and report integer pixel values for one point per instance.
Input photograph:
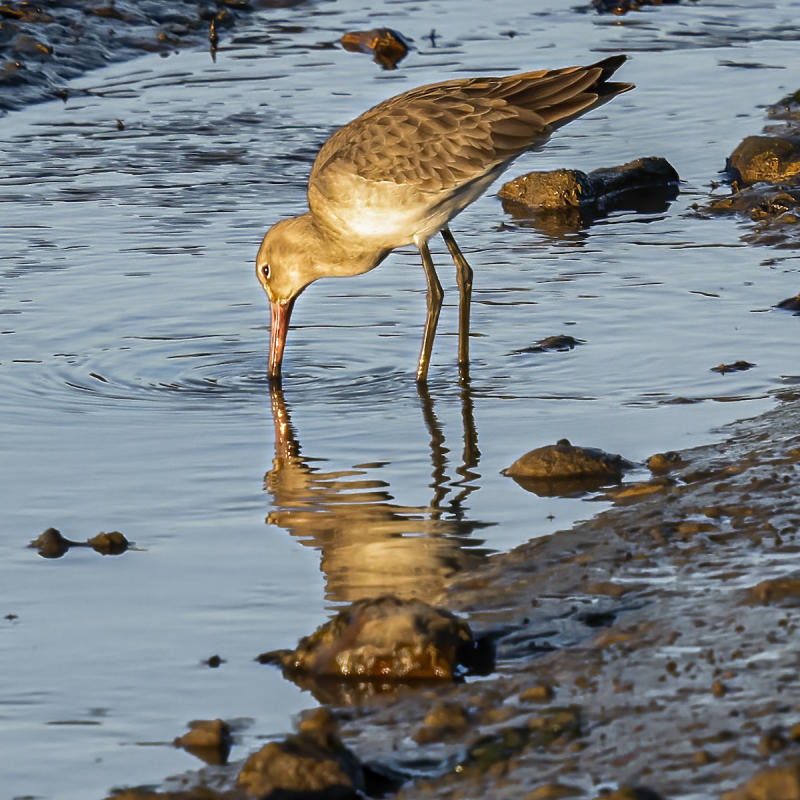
(635, 655)
(637, 639)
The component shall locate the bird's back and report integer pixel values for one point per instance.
(429, 152)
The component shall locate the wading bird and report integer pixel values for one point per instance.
(402, 170)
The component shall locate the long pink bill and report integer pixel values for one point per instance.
(281, 312)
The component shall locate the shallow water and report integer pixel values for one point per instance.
(133, 355)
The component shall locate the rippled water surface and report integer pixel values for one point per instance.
(133, 355)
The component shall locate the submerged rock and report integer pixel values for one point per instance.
(383, 638)
(564, 468)
(645, 184)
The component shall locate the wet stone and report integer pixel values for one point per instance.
(770, 159)
(735, 366)
(790, 303)
(659, 463)
(542, 693)
(564, 468)
(631, 793)
(442, 721)
(51, 544)
(109, 544)
(560, 343)
(312, 763)
(645, 184)
(209, 740)
(384, 638)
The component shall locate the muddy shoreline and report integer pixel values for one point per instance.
(644, 623)
(635, 655)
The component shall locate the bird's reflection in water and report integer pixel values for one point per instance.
(371, 544)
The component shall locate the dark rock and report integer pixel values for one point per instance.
(214, 662)
(770, 159)
(659, 463)
(51, 544)
(736, 366)
(209, 740)
(778, 783)
(553, 728)
(560, 343)
(564, 468)
(788, 108)
(387, 46)
(790, 303)
(311, 763)
(109, 544)
(632, 793)
(383, 638)
(645, 184)
(442, 721)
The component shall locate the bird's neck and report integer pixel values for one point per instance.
(339, 255)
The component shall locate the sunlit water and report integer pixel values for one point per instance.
(133, 354)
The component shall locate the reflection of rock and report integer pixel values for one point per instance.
(209, 740)
(577, 198)
(371, 544)
(564, 468)
(387, 46)
(311, 763)
(383, 638)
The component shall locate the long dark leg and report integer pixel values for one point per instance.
(435, 295)
(464, 278)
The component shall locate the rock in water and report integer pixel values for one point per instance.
(385, 638)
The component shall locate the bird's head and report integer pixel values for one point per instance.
(285, 266)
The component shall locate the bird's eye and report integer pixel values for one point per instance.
(265, 271)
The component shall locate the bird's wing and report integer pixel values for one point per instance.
(441, 136)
